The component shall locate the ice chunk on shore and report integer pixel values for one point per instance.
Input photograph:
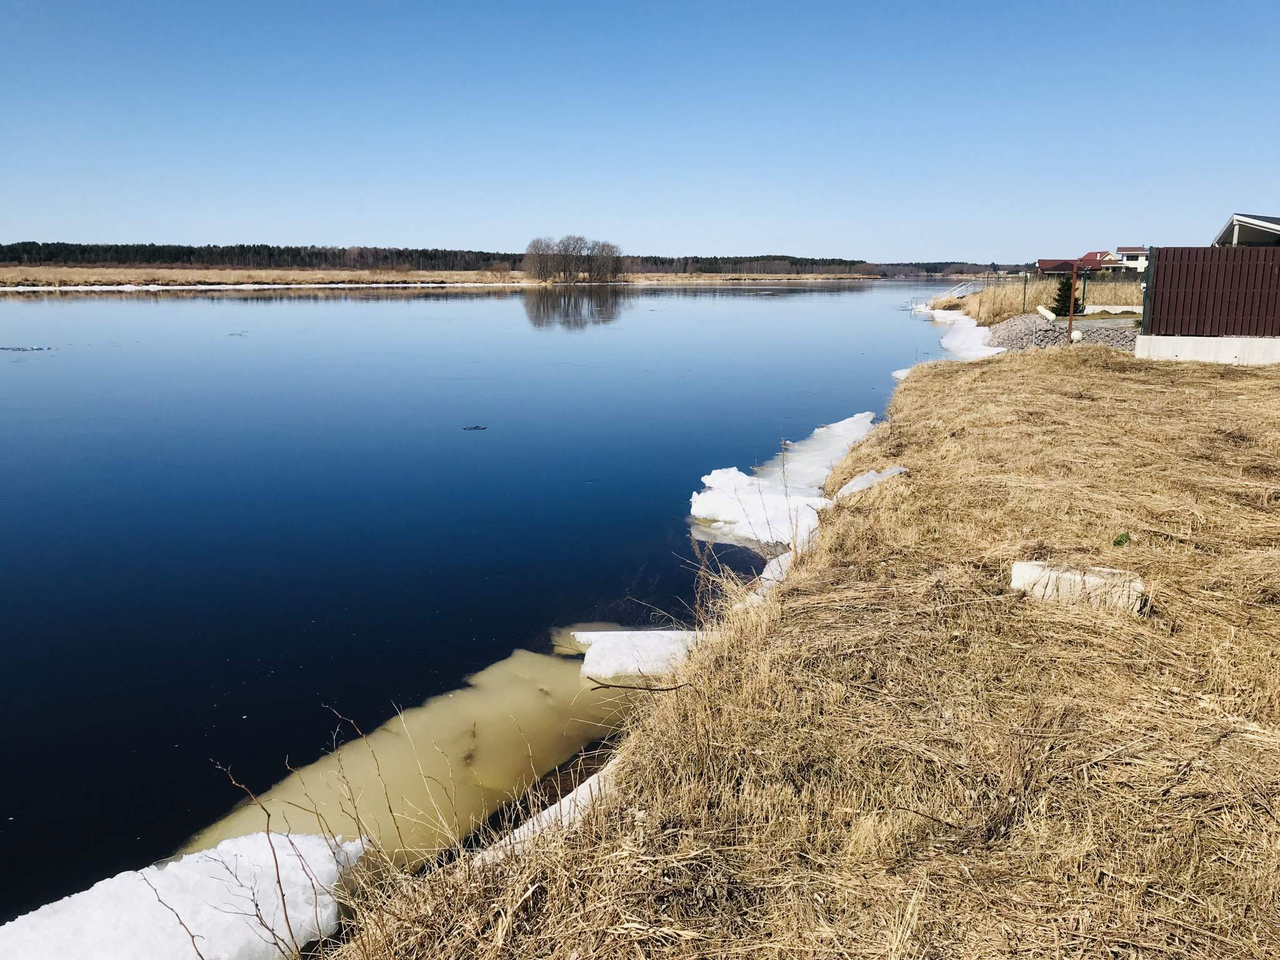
(968, 341)
(901, 375)
(227, 897)
(965, 340)
(611, 654)
(779, 504)
(564, 813)
(865, 481)
(775, 570)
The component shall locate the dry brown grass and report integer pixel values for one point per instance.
(186, 276)
(1004, 298)
(183, 276)
(896, 757)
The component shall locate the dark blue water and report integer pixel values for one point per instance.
(218, 515)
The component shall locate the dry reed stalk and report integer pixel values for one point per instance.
(1003, 299)
(184, 276)
(895, 756)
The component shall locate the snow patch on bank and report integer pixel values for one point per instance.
(227, 897)
(778, 505)
(865, 481)
(965, 340)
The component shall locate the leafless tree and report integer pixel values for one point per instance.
(571, 252)
(540, 259)
(604, 261)
(568, 258)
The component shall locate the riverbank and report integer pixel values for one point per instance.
(1002, 299)
(88, 279)
(895, 753)
(1032, 330)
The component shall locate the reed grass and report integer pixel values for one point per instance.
(895, 755)
(1003, 299)
(201, 276)
(53, 277)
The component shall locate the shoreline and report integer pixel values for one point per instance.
(881, 713)
(89, 280)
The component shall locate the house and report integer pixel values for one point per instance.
(1133, 258)
(1099, 260)
(1249, 230)
(1094, 260)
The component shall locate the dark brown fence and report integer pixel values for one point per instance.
(1213, 292)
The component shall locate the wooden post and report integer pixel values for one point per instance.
(1071, 312)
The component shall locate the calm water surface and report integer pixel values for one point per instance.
(218, 515)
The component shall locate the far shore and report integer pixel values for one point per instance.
(73, 279)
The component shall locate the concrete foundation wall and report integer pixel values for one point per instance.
(1246, 350)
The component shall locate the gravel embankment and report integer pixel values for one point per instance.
(1033, 330)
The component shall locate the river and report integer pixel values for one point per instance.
(223, 515)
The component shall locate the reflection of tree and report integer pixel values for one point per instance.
(575, 307)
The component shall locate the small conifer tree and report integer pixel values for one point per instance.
(1062, 302)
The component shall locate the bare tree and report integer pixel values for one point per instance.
(570, 257)
(567, 259)
(540, 258)
(604, 261)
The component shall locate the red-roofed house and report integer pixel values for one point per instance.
(1099, 260)
(1096, 260)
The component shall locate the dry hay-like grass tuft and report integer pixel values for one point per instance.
(41, 276)
(1002, 299)
(895, 756)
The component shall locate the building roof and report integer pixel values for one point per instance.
(1097, 256)
(1054, 264)
(1131, 249)
(1249, 230)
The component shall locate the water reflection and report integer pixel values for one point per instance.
(575, 308)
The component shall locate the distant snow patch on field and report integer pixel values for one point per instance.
(777, 505)
(227, 898)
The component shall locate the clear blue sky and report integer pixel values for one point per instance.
(886, 131)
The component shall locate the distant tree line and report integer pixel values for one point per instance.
(569, 259)
(252, 256)
(780, 264)
(572, 258)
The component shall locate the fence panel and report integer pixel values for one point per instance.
(1214, 292)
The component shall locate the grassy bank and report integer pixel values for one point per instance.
(895, 756)
(202, 276)
(192, 276)
(1004, 299)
